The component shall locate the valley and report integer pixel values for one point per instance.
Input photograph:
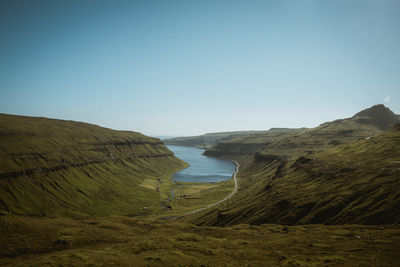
(199, 133)
(78, 194)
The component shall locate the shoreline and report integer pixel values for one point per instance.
(220, 201)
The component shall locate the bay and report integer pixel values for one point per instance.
(202, 168)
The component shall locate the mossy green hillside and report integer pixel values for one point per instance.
(292, 143)
(275, 188)
(355, 183)
(54, 167)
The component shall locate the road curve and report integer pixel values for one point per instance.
(220, 201)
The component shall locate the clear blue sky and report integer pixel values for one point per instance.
(191, 67)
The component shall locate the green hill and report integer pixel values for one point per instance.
(292, 142)
(296, 142)
(356, 183)
(54, 167)
(333, 174)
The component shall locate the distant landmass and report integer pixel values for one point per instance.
(207, 140)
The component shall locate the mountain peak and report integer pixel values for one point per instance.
(378, 115)
(376, 108)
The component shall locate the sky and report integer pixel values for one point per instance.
(190, 67)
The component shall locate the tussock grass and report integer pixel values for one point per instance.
(127, 241)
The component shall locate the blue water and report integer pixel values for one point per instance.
(202, 168)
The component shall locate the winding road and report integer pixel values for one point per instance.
(220, 201)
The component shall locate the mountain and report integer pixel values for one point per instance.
(66, 168)
(378, 115)
(292, 142)
(345, 171)
(296, 142)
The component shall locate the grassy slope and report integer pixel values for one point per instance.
(292, 143)
(282, 185)
(124, 241)
(364, 124)
(193, 196)
(355, 183)
(67, 168)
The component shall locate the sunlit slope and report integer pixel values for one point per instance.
(355, 183)
(55, 167)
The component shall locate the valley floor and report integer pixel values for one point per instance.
(125, 241)
(190, 198)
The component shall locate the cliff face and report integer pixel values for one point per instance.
(59, 167)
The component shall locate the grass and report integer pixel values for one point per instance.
(64, 168)
(293, 143)
(355, 183)
(339, 172)
(193, 196)
(66, 186)
(125, 241)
